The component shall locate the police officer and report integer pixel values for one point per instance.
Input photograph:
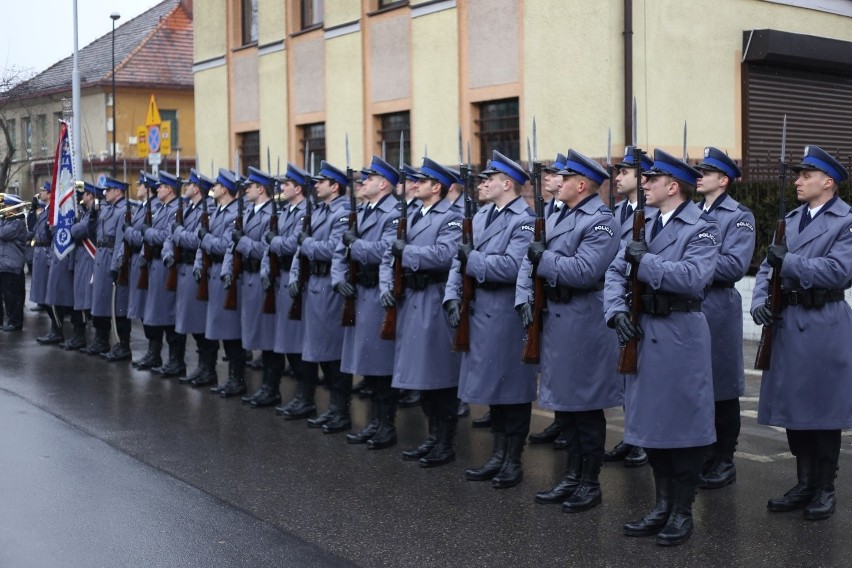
(84, 256)
(492, 372)
(289, 333)
(627, 186)
(221, 324)
(13, 239)
(723, 308)
(669, 404)
(179, 252)
(364, 353)
(42, 240)
(322, 307)
(146, 189)
(579, 355)
(808, 384)
(423, 359)
(109, 298)
(258, 328)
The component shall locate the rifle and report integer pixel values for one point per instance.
(203, 291)
(124, 270)
(172, 276)
(629, 356)
(147, 249)
(269, 300)
(295, 312)
(532, 345)
(237, 258)
(389, 325)
(461, 338)
(764, 348)
(352, 276)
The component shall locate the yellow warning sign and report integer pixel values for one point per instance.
(166, 137)
(141, 142)
(153, 118)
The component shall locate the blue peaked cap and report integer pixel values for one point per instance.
(411, 172)
(558, 164)
(628, 162)
(434, 170)
(111, 183)
(10, 199)
(227, 179)
(667, 165)
(329, 172)
(578, 164)
(716, 160)
(170, 180)
(296, 174)
(501, 164)
(379, 167)
(816, 158)
(259, 177)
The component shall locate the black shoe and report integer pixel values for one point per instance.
(588, 494)
(548, 435)
(511, 473)
(53, 338)
(97, 347)
(723, 473)
(385, 437)
(119, 352)
(636, 458)
(678, 528)
(409, 399)
(12, 327)
(463, 410)
(803, 492)
(322, 419)
(75, 343)
(303, 408)
(426, 445)
(234, 387)
(199, 371)
(261, 392)
(364, 434)
(494, 464)
(443, 452)
(483, 421)
(618, 453)
(560, 443)
(174, 368)
(655, 519)
(271, 398)
(150, 361)
(825, 501)
(340, 422)
(208, 378)
(566, 487)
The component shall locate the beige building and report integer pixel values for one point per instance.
(273, 74)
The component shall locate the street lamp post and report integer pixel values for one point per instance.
(114, 16)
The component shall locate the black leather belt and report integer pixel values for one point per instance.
(106, 243)
(368, 276)
(722, 284)
(320, 268)
(811, 298)
(492, 286)
(563, 294)
(251, 265)
(40, 244)
(215, 258)
(285, 262)
(186, 257)
(665, 304)
(422, 280)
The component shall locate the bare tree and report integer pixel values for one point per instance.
(10, 78)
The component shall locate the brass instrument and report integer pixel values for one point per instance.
(14, 210)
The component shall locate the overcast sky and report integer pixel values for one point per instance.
(38, 33)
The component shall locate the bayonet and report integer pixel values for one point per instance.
(635, 124)
(685, 155)
(534, 143)
(348, 162)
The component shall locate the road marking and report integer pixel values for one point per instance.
(764, 459)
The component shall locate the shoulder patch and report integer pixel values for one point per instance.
(746, 225)
(742, 207)
(604, 228)
(604, 209)
(395, 221)
(708, 235)
(529, 228)
(343, 220)
(454, 224)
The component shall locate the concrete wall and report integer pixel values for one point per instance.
(343, 60)
(211, 111)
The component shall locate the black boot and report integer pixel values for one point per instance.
(77, 341)
(444, 452)
(340, 420)
(151, 359)
(562, 490)
(825, 501)
(236, 383)
(483, 421)
(463, 410)
(426, 445)
(511, 473)
(53, 338)
(636, 458)
(723, 471)
(678, 528)
(803, 492)
(409, 398)
(494, 464)
(273, 367)
(618, 453)
(385, 437)
(303, 405)
(547, 435)
(271, 397)
(588, 494)
(99, 345)
(655, 519)
(370, 429)
(176, 365)
(207, 362)
(119, 352)
(261, 392)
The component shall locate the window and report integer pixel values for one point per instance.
(390, 127)
(27, 136)
(383, 4)
(312, 13)
(248, 19)
(41, 134)
(172, 116)
(249, 151)
(499, 129)
(314, 136)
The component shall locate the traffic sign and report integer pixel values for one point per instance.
(166, 137)
(141, 142)
(153, 118)
(154, 139)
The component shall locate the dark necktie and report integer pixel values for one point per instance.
(367, 213)
(626, 211)
(250, 215)
(562, 214)
(417, 216)
(492, 215)
(806, 220)
(658, 226)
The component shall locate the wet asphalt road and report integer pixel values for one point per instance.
(107, 466)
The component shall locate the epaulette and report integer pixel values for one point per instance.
(605, 209)
(743, 208)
